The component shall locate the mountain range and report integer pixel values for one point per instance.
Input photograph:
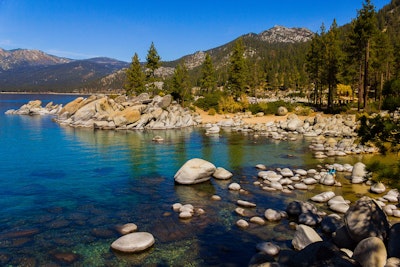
(34, 70)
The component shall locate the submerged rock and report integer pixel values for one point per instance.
(134, 242)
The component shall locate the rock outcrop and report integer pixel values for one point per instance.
(141, 112)
(34, 107)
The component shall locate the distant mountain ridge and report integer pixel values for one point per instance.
(281, 34)
(255, 45)
(34, 70)
(16, 58)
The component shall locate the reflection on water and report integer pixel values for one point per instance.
(65, 190)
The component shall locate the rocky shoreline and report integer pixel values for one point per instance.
(355, 234)
(331, 136)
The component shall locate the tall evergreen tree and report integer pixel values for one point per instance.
(153, 62)
(364, 30)
(333, 57)
(180, 84)
(208, 81)
(383, 60)
(135, 78)
(314, 63)
(237, 70)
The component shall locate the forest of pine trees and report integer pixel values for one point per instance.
(359, 61)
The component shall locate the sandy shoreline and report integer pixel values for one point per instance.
(206, 118)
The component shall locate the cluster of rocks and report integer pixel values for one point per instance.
(332, 135)
(186, 211)
(121, 113)
(335, 126)
(34, 107)
(198, 170)
(332, 147)
(363, 237)
(354, 235)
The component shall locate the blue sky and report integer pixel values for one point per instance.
(117, 28)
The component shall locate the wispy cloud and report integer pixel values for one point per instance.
(6, 42)
(69, 54)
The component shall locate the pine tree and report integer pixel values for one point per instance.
(180, 84)
(364, 30)
(208, 81)
(152, 64)
(152, 61)
(383, 59)
(134, 81)
(315, 62)
(333, 57)
(237, 70)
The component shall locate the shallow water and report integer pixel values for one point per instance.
(64, 191)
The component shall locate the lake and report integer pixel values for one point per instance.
(64, 191)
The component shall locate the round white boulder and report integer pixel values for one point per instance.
(195, 171)
(234, 187)
(127, 228)
(222, 174)
(134, 242)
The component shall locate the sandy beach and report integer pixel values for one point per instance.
(252, 120)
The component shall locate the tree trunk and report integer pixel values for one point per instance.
(366, 75)
(360, 88)
(380, 92)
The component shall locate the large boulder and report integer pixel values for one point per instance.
(293, 122)
(71, 107)
(282, 111)
(331, 223)
(320, 253)
(339, 204)
(165, 101)
(98, 108)
(306, 212)
(304, 236)
(195, 171)
(370, 252)
(359, 173)
(126, 116)
(366, 219)
(134, 242)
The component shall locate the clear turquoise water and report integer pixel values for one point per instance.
(64, 191)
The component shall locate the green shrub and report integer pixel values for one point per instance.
(258, 107)
(302, 111)
(208, 101)
(212, 112)
(229, 105)
(391, 103)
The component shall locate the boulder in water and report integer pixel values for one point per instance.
(134, 242)
(195, 171)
